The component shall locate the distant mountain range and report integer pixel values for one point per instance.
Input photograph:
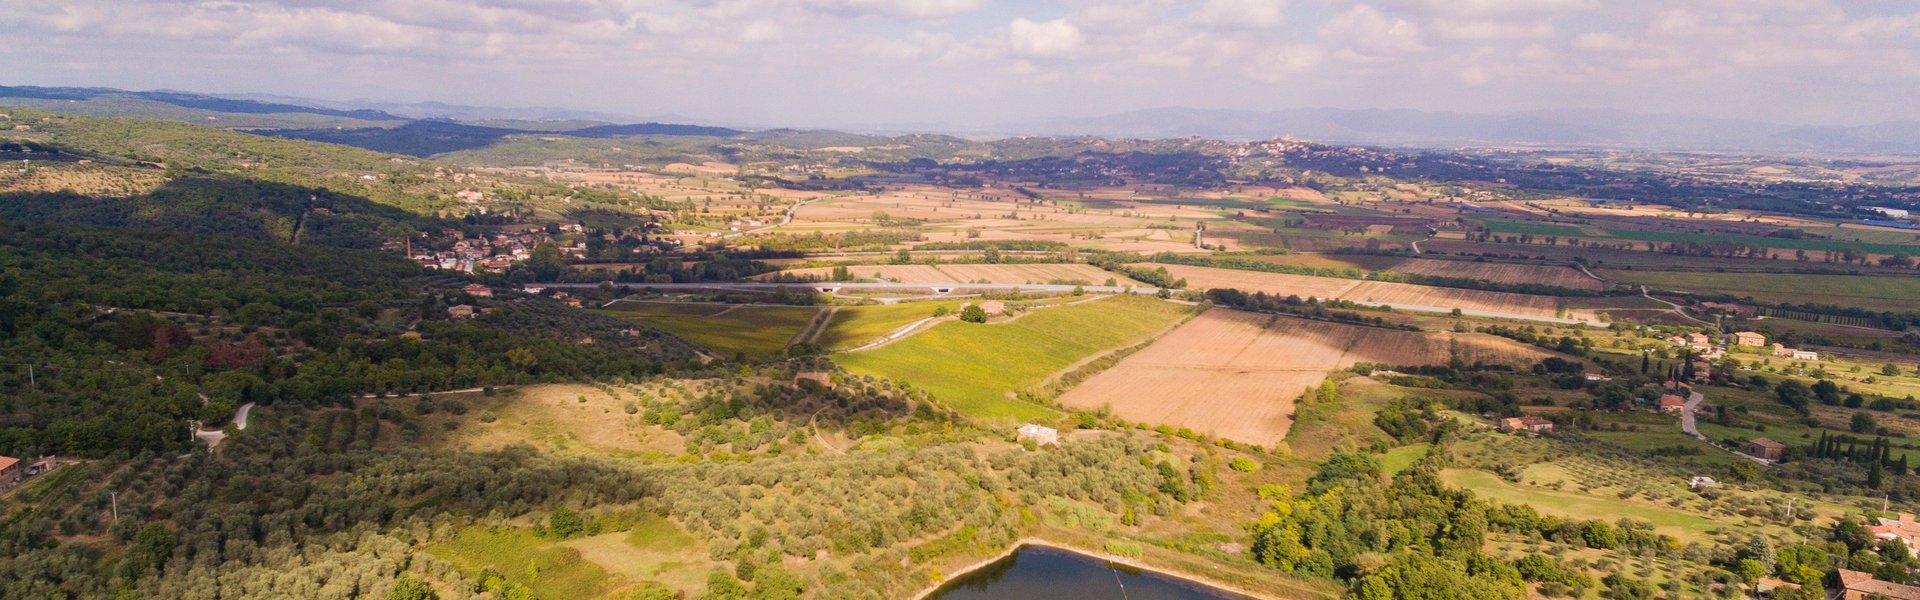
(1563, 128)
(431, 127)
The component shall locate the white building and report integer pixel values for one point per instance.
(1040, 434)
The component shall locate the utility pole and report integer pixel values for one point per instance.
(115, 496)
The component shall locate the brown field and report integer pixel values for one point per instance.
(996, 274)
(1566, 277)
(1398, 295)
(1234, 375)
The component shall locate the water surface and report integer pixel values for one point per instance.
(1040, 572)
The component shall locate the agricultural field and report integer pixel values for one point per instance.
(1398, 295)
(754, 331)
(1887, 293)
(1237, 374)
(1007, 274)
(977, 368)
(1508, 273)
(852, 326)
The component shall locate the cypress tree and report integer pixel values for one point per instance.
(1874, 476)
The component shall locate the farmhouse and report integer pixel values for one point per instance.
(10, 472)
(1904, 529)
(478, 291)
(1699, 340)
(1749, 338)
(1040, 434)
(463, 311)
(1780, 350)
(1856, 585)
(1527, 423)
(1766, 448)
(1671, 404)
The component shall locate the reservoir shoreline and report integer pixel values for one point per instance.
(1024, 542)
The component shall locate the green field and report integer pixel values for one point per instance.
(1398, 459)
(756, 331)
(975, 368)
(1876, 293)
(1681, 524)
(856, 325)
(1756, 240)
(526, 559)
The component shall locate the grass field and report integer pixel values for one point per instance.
(855, 325)
(1681, 524)
(975, 368)
(756, 331)
(654, 550)
(1878, 293)
(550, 571)
(1398, 459)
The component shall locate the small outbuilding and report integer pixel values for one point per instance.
(1766, 448)
(1040, 434)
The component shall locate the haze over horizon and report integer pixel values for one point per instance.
(986, 63)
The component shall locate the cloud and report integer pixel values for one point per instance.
(1044, 38)
(1368, 35)
(1241, 14)
(900, 9)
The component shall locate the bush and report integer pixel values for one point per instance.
(1243, 464)
(973, 314)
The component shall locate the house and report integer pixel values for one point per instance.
(10, 472)
(1671, 404)
(1701, 482)
(1749, 338)
(1803, 355)
(1904, 529)
(573, 302)
(822, 378)
(1766, 449)
(1040, 434)
(464, 311)
(478, 291)
(1676, 340)
(1699, 340)
(1527, 423)
(1702, 370)
(1856, 585)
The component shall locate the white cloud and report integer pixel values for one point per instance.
(900, 9)
(1044, 38)
(1236, 14)
(1369, 35)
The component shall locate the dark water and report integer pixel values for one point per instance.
(1039, 572)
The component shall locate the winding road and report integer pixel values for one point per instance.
(1688, 424)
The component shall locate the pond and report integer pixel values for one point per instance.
(1055, 574)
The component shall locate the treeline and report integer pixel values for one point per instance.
(1247, 264)
(1001, 245)
(864, 239)
(1311, 308)
(234, 207)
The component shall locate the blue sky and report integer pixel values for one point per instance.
(979, 63)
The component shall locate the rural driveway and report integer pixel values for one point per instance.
(1687, 421)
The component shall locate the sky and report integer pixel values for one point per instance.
(985, 63)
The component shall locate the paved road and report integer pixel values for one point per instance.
(1687, 421)
(784, 220)
(213, 437)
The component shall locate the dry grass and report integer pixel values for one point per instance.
(1234, 375)
(1398, 295)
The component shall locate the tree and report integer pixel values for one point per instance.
(565, 523)
(409, 588)
(973, 314)
(1863, 423)
(546, 262)
(153, 544)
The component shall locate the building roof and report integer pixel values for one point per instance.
(7, 462)
(1767, 443)
(1862, 584)
(1672, 400)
